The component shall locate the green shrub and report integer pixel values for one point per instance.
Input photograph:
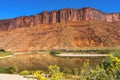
(38, 75)
(55, 72)
(2, 50)
(25, 72)
(54, 69)
(104, 51)
(67, 71)
(109, 69)
(54, 52)
(116, 53)
(6, 53)
(10, 69)
(2, 70)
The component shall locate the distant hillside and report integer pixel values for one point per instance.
(66, 28)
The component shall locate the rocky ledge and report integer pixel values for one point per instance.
(59, 16)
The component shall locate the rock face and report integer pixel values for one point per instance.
(60, 16)
(84, 27)
(72, 35)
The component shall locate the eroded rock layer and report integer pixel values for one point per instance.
(62, 29)
(60, 16)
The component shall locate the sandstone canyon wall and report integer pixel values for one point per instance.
(86, 27)
(60, 16)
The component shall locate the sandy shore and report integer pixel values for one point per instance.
(12, 77)
(81, 55)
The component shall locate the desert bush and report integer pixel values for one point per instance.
(113, 68)
(53, 69)
(10, 69)
(109, 69)
(2, 50)
(25, 72)
(55, 72)
(67, 70)
(54, 52)
(6, 53)
(85, 71)
(89, 50)
(116, 53)
(38, 75)
(2, 70)
(105, 51)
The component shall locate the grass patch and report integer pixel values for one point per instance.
(6, 53)
(116, 53)
(98, 50)
(103, 50)
(10, 69)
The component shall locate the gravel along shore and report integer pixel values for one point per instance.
(12, 77)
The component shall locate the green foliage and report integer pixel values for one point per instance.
(6, 53)
(25, 72)
(57, 76)
(85, 71)
(98, 74)
(55, 72)
(113, 70)
(54, 52)
(67, 71)
(2, 70)
(2, 50)
(109, 69)
(10, 69)
(116, 53)
(76, 71)
(38, 75)
(89, 50)
(53, 69)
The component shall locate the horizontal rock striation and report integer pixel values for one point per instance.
(60, 16)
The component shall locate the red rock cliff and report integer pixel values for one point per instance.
(60, 16)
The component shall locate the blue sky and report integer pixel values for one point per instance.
(15, 8)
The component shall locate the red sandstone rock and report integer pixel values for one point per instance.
(60, 16)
